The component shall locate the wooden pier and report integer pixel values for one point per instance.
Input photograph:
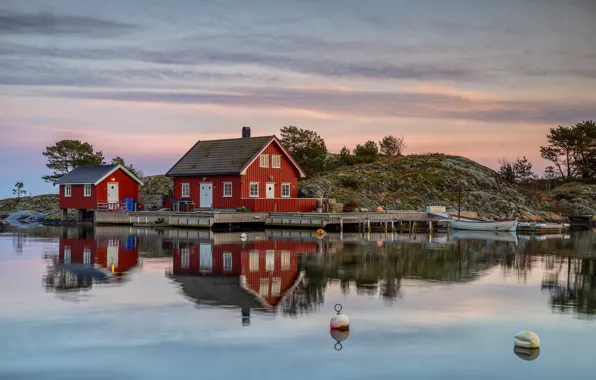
(397, 221)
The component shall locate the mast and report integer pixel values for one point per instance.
(459, 202)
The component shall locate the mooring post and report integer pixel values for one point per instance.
(368, 225)
(341, 225)
(430, 226)
(392, 227)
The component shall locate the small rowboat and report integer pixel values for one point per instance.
(481, 225)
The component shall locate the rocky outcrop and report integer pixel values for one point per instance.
(416, 181)
(575, 198)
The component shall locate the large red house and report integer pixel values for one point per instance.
(251, 275)
(97, 187)
(257, 173)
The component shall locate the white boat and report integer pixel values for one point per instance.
(505, 236)
(481, 225)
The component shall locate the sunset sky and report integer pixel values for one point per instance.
(146, 79)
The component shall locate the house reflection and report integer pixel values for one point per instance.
(85, 259)
(250, 275)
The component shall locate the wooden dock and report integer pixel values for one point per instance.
(397, 221)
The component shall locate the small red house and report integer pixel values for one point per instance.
(253, 172)
(97, 187)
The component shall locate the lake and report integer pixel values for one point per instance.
(127, 303)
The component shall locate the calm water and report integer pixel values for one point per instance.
(120, 303)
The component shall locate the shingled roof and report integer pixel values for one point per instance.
(213, 157)
(91, 175)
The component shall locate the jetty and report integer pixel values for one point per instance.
(385, 221)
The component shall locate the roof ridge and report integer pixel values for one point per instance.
(240, 138)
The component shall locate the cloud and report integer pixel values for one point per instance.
(364, 103)
(51, 24)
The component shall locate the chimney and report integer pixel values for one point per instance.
(245, 132)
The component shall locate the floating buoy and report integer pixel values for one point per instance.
(339, 322)
(338, 337)
(321, 233)
(527, 354)
(243, 236)
(526, 339)
(379, 209)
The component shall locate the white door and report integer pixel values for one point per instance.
(206, 258)
(112, 258)
(113, 192)
(206, 195)
(270, 190)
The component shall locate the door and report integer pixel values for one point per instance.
(206, 195)
(113, 192)
(270, 190)
(112, 255)
(205, 259)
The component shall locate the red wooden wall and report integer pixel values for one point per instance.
(127, 257)
(127, 188)
(241, 254)
(77, 249)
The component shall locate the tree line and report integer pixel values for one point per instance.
(571, 150)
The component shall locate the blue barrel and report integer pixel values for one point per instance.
(129, 203)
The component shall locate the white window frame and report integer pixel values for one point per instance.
(253, 261)
(286, 259)
(185, 258)
(227, 259)
(86, 255)
(289, 186)
(67, 254)
(264, 160)
(226, 195)
(250, 190)
(276, 287)
(187, 187)
(67, 191)
(85, 192)
(270, 260)
(264, 287)
(276, 161)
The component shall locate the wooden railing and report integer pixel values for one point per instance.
(111, 206)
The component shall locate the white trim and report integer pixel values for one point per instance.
(273, 157)
(67, 194)
(123, 169)
(261, 157)
(228, 255)
(224, 190)
(182, 190)
(250, 192)
(289, 185)
(288, 155)
(85, 187)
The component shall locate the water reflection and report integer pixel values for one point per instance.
(289, 272)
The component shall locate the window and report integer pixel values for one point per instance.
(185, 258)
(185, 190)
(67, 190)
(285, 260)
(285, 190)
(264, 160)
(270, 261)
(66, 255)
(227, 256)
(87, 192)
(276, 286)
(276, 161)
(264, 288)
(254, 189)
(254, 261)
(227, 189)
(86, 255)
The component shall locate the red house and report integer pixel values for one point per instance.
(253, 275)
(253, 172)
(97, 187)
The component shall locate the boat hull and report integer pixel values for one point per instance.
(505, 225)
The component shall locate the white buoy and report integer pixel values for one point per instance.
(243, 236)
(339, 322)
(527, 354)
(339, 337)
(526, 339)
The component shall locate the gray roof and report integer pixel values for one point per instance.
(218, 156)
(85, 174)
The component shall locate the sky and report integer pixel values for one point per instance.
(146, 79)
